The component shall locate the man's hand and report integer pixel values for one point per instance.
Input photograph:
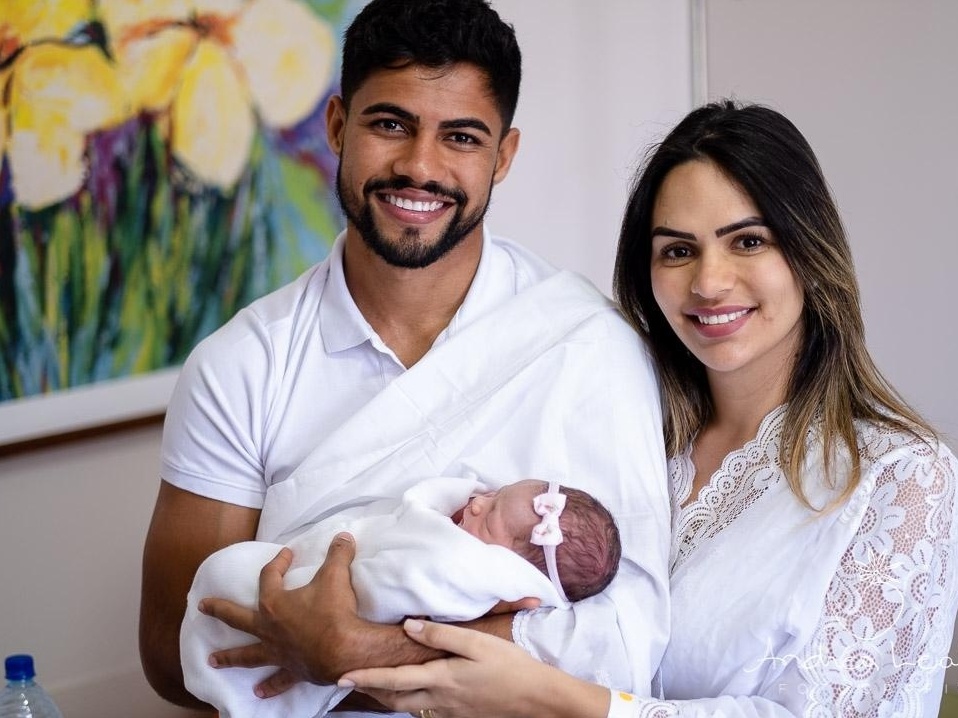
(314, 633)
(311, 632)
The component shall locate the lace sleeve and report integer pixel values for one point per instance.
(882, 644)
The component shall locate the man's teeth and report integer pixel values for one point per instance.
(722, 318)
(414, 206)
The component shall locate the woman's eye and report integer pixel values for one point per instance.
(676, 251)
(751, 241)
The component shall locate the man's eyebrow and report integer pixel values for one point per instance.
(387, 108)
(466, 123)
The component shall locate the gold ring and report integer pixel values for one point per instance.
(427, 713)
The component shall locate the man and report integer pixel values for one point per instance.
(421, 346)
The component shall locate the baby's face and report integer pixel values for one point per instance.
(504, 517)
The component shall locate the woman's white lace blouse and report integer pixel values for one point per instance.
(778, 610)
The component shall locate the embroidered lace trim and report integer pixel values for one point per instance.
(742, 478)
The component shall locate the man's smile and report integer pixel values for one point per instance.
(413, 205)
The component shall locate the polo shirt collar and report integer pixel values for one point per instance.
(343, 326)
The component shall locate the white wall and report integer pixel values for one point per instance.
(872, 85)
(72, 523)
(600, 80)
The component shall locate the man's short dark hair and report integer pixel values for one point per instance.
(436, 34)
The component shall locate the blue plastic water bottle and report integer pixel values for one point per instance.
(24, 697)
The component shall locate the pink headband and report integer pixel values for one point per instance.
(547, 532)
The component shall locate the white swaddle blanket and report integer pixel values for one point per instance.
(410, 560)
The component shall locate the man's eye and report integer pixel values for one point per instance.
(389, 125)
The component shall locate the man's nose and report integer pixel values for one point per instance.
(420, 160)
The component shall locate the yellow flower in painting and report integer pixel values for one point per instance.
(217, 65)
(54, 90)
(24, 21)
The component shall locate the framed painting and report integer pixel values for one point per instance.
(164, 163)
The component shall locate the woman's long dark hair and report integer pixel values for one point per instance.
(834, 380)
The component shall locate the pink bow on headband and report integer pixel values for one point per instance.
(547, 532)
(549, 506)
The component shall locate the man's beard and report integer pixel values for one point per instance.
(409, 252)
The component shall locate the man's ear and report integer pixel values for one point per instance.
(335, 123)
(508, 147)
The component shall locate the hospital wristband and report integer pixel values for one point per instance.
(621, 705)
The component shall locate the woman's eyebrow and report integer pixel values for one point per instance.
(666, 232)
(721, 231)
(741, 224)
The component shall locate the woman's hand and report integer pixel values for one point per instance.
(485, 676)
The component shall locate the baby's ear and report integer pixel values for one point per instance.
(523, 604)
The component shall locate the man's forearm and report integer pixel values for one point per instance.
(378, 646)
(499, 625)
(160, 659)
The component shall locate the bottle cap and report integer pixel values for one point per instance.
(19, 667)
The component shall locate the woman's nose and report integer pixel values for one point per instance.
(714, 275)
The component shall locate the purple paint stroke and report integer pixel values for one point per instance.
(306, 140)
(6, 187)
(109, 154)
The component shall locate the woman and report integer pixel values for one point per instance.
(815, 532)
